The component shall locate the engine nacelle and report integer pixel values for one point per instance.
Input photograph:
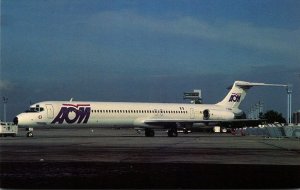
(217, 115)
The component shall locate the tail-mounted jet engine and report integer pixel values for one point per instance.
(217, 115)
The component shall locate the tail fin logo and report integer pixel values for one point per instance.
(235, 97)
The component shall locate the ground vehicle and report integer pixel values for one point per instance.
(8, 129)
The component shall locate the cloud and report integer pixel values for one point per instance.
(244, 34)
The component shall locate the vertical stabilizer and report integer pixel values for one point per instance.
(238, 92)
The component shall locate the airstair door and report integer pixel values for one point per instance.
(50, 111)
(192, 113)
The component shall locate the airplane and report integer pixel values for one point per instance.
(146, 116)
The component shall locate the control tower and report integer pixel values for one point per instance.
(194, 96)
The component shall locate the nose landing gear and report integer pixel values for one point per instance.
(29, 132)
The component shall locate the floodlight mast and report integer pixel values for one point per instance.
(289, 103)
(5, 99)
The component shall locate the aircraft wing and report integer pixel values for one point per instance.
(233, 122)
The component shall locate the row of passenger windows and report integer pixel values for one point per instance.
(138, 111)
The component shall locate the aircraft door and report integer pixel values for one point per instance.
(192, 113)
(50, 111)
(158, 112)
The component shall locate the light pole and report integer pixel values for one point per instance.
(289, 103)
(5, 99)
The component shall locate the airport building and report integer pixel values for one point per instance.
(296, 117)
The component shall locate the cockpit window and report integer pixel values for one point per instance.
(35, 109)
(32, 110)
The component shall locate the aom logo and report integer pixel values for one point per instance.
(71, 113)
(235, 97)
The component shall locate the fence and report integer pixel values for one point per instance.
(271, 130)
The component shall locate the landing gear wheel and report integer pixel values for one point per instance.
(172, 133)
(29, 134)
(149, 133)
(185, 131)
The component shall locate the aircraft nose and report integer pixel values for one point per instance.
(16, 120)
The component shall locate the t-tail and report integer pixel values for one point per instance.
(238, 92)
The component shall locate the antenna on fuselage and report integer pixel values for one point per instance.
(71, 99)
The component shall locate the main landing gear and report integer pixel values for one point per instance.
(149, 132)
(172, 132)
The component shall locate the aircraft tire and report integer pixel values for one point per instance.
(172, 133)
(185, 131)
(29, 134)
(149, 133)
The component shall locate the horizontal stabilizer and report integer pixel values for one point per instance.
(247, 85)
(238, 92)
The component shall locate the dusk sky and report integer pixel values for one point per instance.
(147, 50)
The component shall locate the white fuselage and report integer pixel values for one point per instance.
(118, 114)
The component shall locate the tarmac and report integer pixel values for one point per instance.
(122, 158)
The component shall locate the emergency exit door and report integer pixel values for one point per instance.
(192, 113)
(50, 111)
